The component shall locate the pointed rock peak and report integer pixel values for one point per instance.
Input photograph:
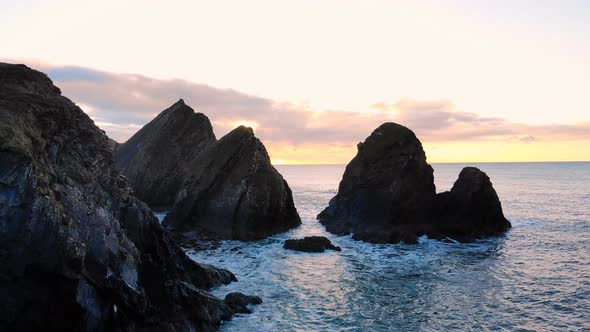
(179, 105)
(239, 133)
(180, 110)
(158, 157)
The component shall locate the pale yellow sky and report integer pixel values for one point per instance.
(525, 62)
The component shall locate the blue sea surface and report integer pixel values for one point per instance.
(535, 278)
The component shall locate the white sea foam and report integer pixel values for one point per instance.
(537, 277)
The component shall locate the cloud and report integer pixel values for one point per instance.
(121, 103)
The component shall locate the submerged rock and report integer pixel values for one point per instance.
(157, 159)
(239, 302)
(234, 192)
(311, 244)
(78, 251)
(387, 195)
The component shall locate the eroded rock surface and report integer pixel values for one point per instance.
(78, 252)
(310, 244)
(157, 159)
(387, 195)
(234, 192)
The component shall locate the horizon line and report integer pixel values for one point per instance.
(450, 162)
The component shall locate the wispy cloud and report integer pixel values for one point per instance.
(122, 103)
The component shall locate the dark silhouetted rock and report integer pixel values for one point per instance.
(234, 192)
(239, 302)
(384, 189)
(78, 252)
(310, 244)
(157, 158)
(387, 195)
(472, 209)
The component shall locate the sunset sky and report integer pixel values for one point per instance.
(476, 80)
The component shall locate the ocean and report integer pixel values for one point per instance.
(534, 278)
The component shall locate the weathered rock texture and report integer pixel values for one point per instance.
(387, 195)
(156, 159)
(78, 252)
(234, 192)
(310, 244)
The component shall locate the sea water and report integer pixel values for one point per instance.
(535, 278)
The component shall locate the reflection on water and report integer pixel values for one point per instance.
(537, 277)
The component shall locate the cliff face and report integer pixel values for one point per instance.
(78, 251)
(387, 195)
(233, 192)
(156, 159)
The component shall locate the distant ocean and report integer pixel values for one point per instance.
(535, 278)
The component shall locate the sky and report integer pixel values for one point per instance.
(487, 81)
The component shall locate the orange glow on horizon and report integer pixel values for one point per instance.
(447, 152)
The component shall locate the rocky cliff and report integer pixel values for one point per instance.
(387, 195)
(233, 192)
(78, 252)
(156, 159)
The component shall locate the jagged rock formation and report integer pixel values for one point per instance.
(234, 192)
(310, 244)
(78, 252)
(387, 195)
(156, 159)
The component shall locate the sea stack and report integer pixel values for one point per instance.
(233, 192)
(384, 188)
(156, 159)
(387, 195)
(78, 251)
(471, 209)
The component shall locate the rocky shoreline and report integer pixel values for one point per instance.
(81, 249)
